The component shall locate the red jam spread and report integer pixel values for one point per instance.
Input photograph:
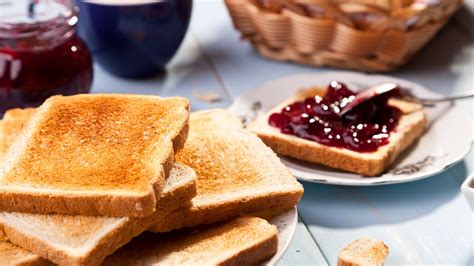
(363, 129)
(40, 54)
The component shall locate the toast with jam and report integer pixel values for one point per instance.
(366, 140)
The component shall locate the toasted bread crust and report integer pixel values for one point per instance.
(343, 159)
(257, 253)
(10, 126)
(93, 203)
(80, 204)
(119, 236)
(15, 256)
(213, 212)
(235, 186)
(242, 241)
(363, 251)
(320, 154)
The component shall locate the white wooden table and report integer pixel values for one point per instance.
(424, 222)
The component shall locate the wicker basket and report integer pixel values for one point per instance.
(369, 35)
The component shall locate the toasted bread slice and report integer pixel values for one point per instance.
(411, 126)
(87, 240)
(243, 241)
(10, 126)
(236, 173)
(363, 252)
(94, 155)
(15, 256)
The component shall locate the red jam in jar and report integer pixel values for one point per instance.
(40, 53)
(363, 129)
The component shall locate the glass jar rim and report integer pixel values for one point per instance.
(120, 3)
(59, 24)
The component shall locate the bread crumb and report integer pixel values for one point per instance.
(207, 96)
(138, 206)
(364, 251)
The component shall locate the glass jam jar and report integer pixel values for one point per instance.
(40, 53)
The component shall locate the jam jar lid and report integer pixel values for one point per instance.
(125, 2)
(37, 23)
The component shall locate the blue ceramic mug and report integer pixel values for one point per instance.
(133, 38)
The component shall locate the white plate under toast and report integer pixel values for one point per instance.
(286, 223)
(446, 141)
(467, 189)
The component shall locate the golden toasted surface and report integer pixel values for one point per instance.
(363, 251)
(236, 173)
(222, 155)
(243, 241)
(86, 240)
(89, 142)
(11, 125)
(14, 255)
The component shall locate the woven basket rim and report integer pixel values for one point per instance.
(288, 35)
(251, 6)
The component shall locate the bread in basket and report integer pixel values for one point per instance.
(369, 35)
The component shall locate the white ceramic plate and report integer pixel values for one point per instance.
(286, 223)
(446, 141)
(467, 189)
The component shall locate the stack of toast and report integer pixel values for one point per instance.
(125, 179)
